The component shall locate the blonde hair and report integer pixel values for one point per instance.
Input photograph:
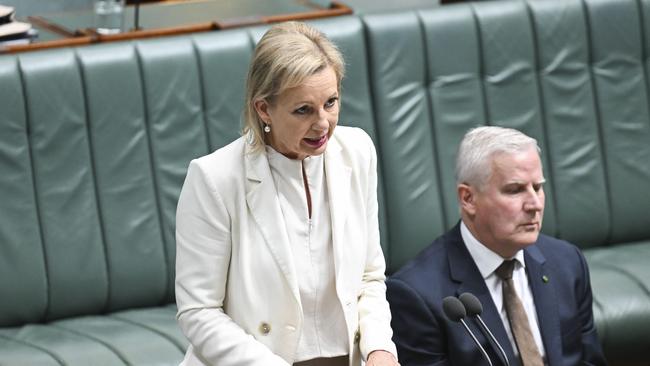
(286, 55)
(473, 162)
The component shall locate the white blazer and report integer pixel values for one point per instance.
(236, 284)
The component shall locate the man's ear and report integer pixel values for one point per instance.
(262, 109)
(466, 199)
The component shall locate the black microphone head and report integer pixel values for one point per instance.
(453, 308)
(472, 304)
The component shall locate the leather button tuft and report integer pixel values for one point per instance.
(265, 328)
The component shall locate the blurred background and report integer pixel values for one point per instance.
(26, 8)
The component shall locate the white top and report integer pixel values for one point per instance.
(324, 331)
(236, 283)
(487, 262)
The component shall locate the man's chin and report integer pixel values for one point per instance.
(528, 238)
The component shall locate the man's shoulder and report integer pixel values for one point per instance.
(556, 246)
(431, 260)
(559, 253)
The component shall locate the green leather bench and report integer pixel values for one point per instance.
(95, 142)
(571, 73)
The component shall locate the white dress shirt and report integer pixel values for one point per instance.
(324, 330)
(487, 262)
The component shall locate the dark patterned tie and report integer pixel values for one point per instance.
(528, 351)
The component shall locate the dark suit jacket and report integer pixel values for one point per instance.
(424, 336)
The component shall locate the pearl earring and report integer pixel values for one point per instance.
(267, 128)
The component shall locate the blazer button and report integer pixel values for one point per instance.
(265, 328)
(357, 336)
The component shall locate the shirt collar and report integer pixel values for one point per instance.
(486, 260)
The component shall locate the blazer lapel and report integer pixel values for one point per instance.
(545, 304)
(464, 270)
(338, 173)
(261, 198)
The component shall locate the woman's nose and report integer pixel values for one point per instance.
(322, 123)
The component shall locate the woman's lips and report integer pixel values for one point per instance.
(317, 142)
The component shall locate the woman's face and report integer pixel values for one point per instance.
(302, 119)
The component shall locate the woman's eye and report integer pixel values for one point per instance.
(331, 102)
(302, 110)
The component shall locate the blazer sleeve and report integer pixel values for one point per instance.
(419, 338)
(374, 311)
(203, 249)
(592, 354)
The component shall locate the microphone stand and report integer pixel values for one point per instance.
(493, 338)
(455, 311)
(485, 355)
(474, 308)
(136, 15)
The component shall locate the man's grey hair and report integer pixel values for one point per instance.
(474, 159)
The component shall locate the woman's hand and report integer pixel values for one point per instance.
(381, 358)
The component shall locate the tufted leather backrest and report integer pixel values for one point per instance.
(95, 144)
(569, 73)
(95, 141)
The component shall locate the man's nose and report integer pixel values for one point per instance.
(534, 201)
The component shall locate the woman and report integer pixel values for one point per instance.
(278, 258)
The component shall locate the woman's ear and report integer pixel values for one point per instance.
(262, 109)
(466, 199)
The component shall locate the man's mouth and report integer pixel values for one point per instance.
(531, 225)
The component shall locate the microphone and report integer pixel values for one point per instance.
(474, 308)
(455, 311)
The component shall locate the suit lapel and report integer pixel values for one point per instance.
(464, 270)
(261, 198)
(545, 304)
(337, 173)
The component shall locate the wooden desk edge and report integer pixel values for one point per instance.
(336, 9)
(90, 36)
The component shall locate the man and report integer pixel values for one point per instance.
(534, 289)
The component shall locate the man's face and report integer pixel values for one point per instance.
(506, 214)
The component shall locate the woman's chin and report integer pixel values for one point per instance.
(316, 152)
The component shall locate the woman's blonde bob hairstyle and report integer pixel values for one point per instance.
(286, 55)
